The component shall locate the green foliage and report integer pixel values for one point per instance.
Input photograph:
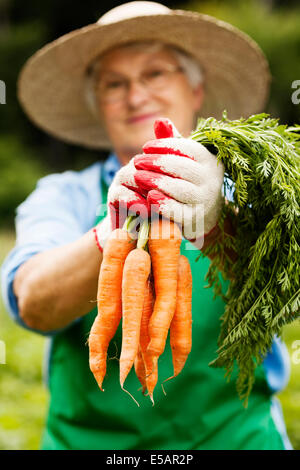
(290, 396)
(19, 161)
(19, 169)
(277, 32)
(17, 43)
(23, 395)
(262, 158)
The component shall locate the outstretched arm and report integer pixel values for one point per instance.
(57, 286)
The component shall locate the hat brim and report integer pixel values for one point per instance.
(51, 83)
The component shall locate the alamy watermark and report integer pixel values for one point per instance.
(2, 352)
(296, 353)
(296, 94)
(2, 92)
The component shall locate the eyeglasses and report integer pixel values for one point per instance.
(113, 88)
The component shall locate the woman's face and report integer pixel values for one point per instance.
(131, 97)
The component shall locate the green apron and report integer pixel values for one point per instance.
(200, 409)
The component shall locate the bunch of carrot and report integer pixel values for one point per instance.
(148, 284)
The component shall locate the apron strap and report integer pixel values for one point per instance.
(103, 191)
(103, 188)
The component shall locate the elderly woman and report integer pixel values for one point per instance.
(104, 86)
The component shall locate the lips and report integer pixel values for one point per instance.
(141, 118)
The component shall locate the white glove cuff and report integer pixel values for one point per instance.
(102, 231)
(212, 216)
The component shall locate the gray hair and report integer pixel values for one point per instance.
(190, 66)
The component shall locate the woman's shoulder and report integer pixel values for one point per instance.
(87, 177)
(72, 193)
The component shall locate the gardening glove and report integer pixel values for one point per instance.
(123, 199)
(103, 230)
(181, 179)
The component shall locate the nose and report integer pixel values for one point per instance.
(137, 94)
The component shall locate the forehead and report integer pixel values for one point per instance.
(124, 58)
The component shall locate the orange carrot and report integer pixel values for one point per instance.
(181, 325)
(144, 332)
(140, 369)
(164, 247)
(109, 301)
(135, 275)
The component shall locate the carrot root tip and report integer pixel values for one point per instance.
(124, 389)
(151, 397)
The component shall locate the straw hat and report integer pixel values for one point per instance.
(51, 83)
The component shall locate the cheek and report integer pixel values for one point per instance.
(181, 112)
(111, 121)
(180, 100)
(187, 100)
(110, 113)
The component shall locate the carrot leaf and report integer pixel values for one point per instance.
(262, 171)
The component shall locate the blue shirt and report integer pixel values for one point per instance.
(62, 208)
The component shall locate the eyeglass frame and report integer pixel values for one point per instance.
(172, 70)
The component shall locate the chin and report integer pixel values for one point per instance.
(141, 136)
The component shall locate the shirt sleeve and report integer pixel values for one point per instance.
(60, 210)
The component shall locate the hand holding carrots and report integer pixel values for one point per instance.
(181, 179)
(174, 176)
(151, 289)
(124, 197)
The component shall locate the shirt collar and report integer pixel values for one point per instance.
(110, 168)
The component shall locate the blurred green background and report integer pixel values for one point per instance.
(27, 153)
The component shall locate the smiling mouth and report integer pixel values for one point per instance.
(141, 118)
